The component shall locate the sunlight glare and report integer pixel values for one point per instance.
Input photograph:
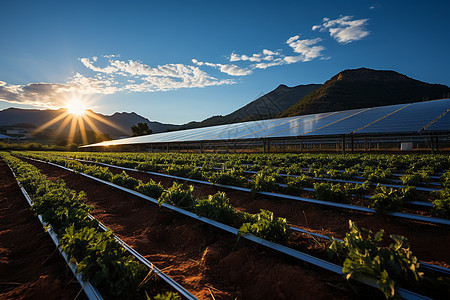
(76, 107)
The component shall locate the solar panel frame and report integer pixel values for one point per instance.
(392, 119)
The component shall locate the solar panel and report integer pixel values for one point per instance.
(356, 121)
(312, 122)
(442, 124)
(253, 129)
(401, 118)
(411, 118)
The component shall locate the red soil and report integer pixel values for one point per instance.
(30, 268)
(208, 262)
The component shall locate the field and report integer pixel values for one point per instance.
(246, 226)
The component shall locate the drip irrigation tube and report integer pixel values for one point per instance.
(423, 189)
(91, 292)
(419, 203)
(284, 196)
(424, 265)
(280, 248)
(437, 176)
(149, 265)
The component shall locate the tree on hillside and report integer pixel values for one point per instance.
(90, 137)
(141, 129)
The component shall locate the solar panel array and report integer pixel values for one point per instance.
(417, 117)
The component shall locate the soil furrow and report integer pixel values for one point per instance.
(30, 265)
(428, 241)
(203, 259)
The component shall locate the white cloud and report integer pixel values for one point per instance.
(88, 64)
(307, 49)
(55, 95)
(344, 29)
(105, 82)
(159, 78)
(265, 65)
(267, 55)
(268, 52)
(232, 70)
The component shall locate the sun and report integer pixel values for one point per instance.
(76, 107)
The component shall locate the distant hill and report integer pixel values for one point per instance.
(265, 107)
(360, 88)
(118, 124)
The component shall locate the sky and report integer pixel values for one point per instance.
(180, 61)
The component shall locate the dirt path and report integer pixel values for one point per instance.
(330, 221)
(203, 259)
(30, 268)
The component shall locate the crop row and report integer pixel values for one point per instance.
(382, 200)
(360, 252)
(215, 207)
(374, 173)
(293, 163)
(100, 259)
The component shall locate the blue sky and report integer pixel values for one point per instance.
(178, 61)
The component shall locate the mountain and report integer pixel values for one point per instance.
(116, 125)
(265, 107)
(360, 88)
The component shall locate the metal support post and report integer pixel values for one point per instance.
(353, 144)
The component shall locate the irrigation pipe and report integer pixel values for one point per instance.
(433, 220)
(149, 265)
(89, 289)
(280, 248)
(426, 265)
(91, 292)
(423, 189)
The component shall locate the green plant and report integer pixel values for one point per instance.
(330, 192)
(445, 178)
(415, 179)
(216, 207)
(125, 180)
(151, 189)
(264, 182)
(229, 177)
(167, 296)
(178, 196)
(441, 205)
(98, 172)
(265, 226)
(356, 189)
(100, 259)
(364, 255)
(376, 175)
(102, 262)
(388, 199)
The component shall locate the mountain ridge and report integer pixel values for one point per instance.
(122, 121)
(364, 87)
(265, 107)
